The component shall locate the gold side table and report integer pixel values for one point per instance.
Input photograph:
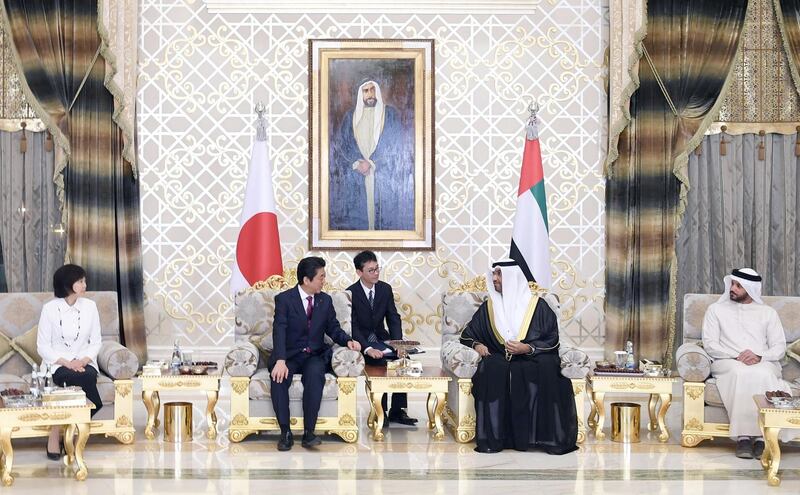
(380, 381)
(772, 420)
(658, 388)
(153, 384)
(28, 422)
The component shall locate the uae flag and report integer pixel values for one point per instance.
(530, 242)
(258, 247)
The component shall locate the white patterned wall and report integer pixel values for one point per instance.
(201, 74)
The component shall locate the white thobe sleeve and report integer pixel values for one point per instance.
(776, 339)
(711, 334)
(44, 339)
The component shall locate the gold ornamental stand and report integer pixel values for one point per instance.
(771, 420)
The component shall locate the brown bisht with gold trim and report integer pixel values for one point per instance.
(521, 402)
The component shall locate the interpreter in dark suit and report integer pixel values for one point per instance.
(303, 316)
(373, 311)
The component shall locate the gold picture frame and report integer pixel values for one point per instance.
(371, 144)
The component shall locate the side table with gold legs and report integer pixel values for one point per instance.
(27, 422)
(772, 420)
(379, 381)
(658, 388)
(152, 385)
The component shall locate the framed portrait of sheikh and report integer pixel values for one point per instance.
(371, 145)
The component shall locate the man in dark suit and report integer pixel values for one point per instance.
(303, 316)
(373, 304)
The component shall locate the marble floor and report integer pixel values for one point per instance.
(408, 461)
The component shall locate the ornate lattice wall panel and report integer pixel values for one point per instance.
(201, 74)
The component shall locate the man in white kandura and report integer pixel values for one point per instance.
(745, 339)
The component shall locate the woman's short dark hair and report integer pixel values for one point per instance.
(308, 268)
(362, 258)
(65, 277)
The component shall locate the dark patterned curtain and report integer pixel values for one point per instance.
(56, 45)
(689, 52)
(788, 13)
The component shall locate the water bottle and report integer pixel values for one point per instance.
(48, 380)
(630, 363)
(177, 359)
(35, 383)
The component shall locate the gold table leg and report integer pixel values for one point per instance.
(437, 415)
(372, 415)
(211, 416)
(7, 454)
(771, 459)
(83, 436)
(156, 408)
(597, 400)
(69, 444)
(377, 429)
(652, 425)
(147, 398)
(666, 400)
(591, 421)
(431, 407)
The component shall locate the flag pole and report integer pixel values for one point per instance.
(261, 122)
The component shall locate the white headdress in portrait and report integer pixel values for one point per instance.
(377, 117)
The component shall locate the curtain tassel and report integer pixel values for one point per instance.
(23, 141)
(723, 145)
(48, 142)
(797, 142)
(762, 151)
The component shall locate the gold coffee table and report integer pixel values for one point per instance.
(173, 382)
(380, 381)
(29, 422)
(772, 420)
(658, 388)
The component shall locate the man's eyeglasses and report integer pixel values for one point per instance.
(373, 271)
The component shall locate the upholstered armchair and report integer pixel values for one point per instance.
(704, 415)
(251, 403)
(461, 362)
(19, 319)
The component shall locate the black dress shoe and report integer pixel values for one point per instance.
(57, 455)
(310, 440)
(485, 450)
(286, 441)
(758, 449)
(401, 417)
(744, 448)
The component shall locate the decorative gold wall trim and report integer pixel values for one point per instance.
(373, 7)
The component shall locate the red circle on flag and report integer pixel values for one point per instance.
(258, 251)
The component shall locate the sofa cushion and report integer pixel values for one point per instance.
(347, 362)
(6, 351)
(26, 346)
(459, 359)
(242, 360)
(692, 362)
(457, 311)
(712, 397)
(105, 386)
(575, 363)
(260, 386)
(117, 361)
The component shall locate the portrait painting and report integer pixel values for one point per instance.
(371, 144)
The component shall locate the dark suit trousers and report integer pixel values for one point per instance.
(87, 380)
(400, 400)
(313, 368)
